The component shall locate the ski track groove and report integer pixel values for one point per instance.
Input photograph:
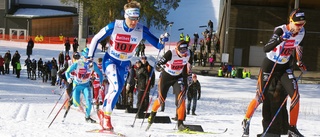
(16, 112)
(23, 112)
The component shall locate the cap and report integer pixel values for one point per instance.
(297, 15)
(194, 75)
(76, 55)
(85, 52)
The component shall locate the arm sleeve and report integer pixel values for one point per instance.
(70, 69)
(153, 40)
(274, 40)
(101, 35)
(165, 58)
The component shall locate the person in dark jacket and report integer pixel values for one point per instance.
(130, 86)
(28, 63)
(34, 69)
(30, 47)
(194, 94)
(16, 57)
(142, 79)
(61, 59)
(40, 67)
(7, 60)
(75, 45)
(67, 46)
(45, 71)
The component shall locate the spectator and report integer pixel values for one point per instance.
(18, 68)
(233, 72)
(195, 40)
(210, 25)
(74, 46)
(194, 94)
(143, 47)
(187, 38)
(142, 78)
(34, 69)
(40, 67)
(130, 86)
(61, 59)
(53, 75)
(211, 61)
(67, 57)
(28, 63)
(45, 72)
(181, 36)
(2, 65)
(15, 58)
(67, 45)
(7, 59)
(30, 47)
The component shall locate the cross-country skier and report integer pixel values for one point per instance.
(285, 39)
(81, 81)
(97, 90)
(175, 74)
(125, 36)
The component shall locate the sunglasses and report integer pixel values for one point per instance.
(298, 24)
(183, 50)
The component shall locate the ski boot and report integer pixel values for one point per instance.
(293, 132)
(151, 119)
(245, 125)
(106, 123)
(193, 113)
(90, 120)
(182, 127)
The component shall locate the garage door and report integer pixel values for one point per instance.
(256, 56)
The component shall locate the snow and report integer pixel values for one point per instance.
(35, 12)
(25, 105)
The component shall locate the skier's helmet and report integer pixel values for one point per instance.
(182, 48)
(76, 55)
(85, 52)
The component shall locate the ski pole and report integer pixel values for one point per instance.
(279, 109)
(57, 113)
(145, 92)
(56, 104)
(265, 86)
(145, 115)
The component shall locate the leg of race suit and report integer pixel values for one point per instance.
(88, 99)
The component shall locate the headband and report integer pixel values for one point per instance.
(132, 12)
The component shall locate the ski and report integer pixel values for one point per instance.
(200, 132)
(106, 132)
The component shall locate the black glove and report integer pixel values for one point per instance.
(199, 97)
(159, 68)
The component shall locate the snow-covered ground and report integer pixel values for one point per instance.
(25, 105)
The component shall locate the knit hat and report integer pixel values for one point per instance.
(297, 15)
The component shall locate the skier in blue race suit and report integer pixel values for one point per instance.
(81, 81)
(125, 36)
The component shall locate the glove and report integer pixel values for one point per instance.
(164, 38)
(199, 97)
(286, 35)
(102, 87)
(302, 67)
(159, 68)
(70, 80)
(127, 87)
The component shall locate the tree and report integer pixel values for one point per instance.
(102, 12)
